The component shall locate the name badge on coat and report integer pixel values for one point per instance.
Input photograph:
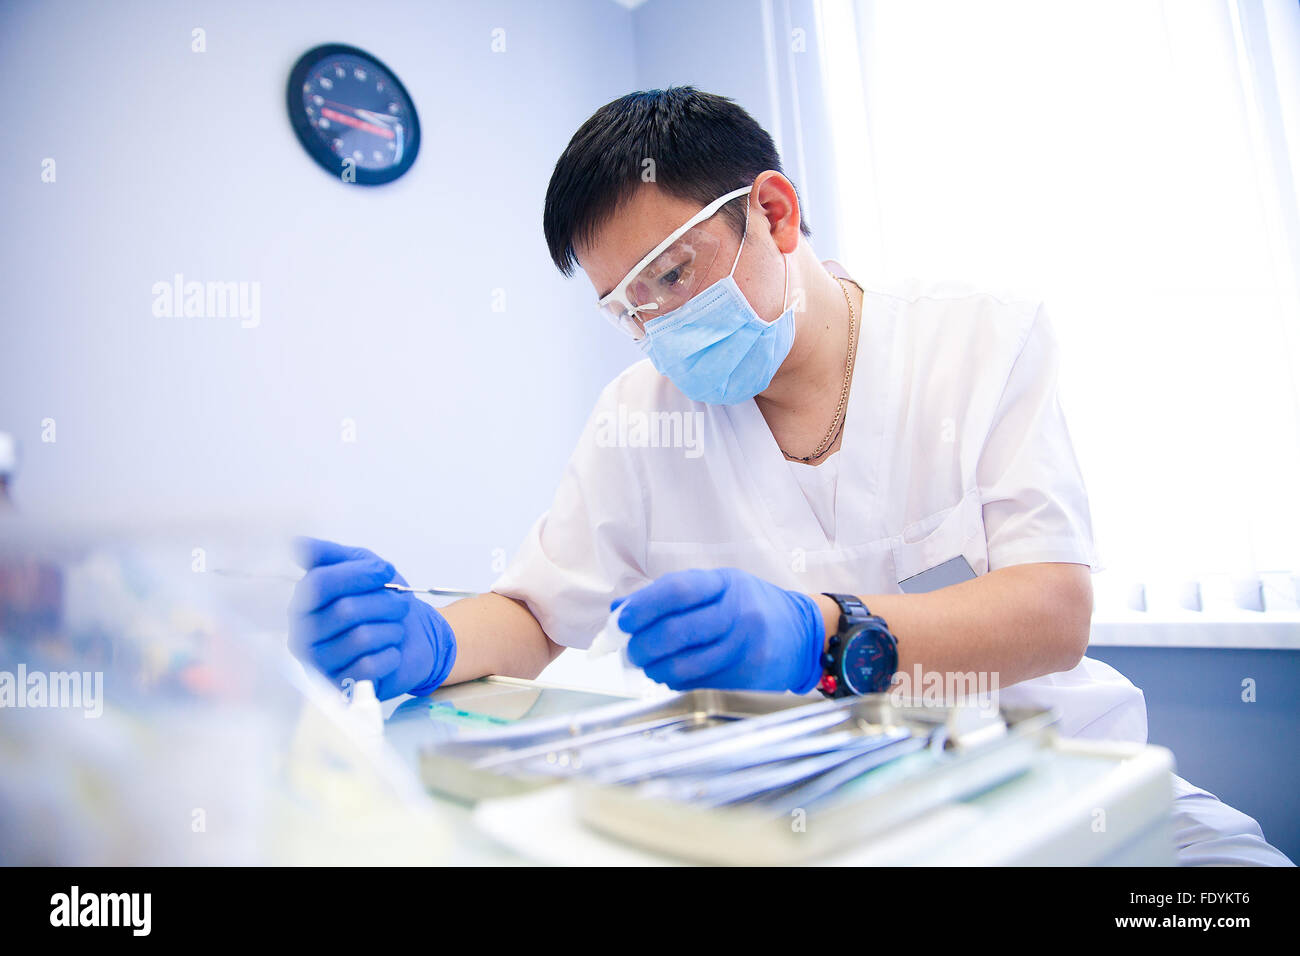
(954, 571)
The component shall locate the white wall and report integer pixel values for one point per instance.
(375, 302)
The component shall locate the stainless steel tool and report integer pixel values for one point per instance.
(791, 811)
(534, 753)
(717, 775)
(293, 579)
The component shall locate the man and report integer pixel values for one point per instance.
(879, 482)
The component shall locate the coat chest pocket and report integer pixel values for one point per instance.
(942, 536)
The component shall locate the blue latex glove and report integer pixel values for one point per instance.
(725, 629)
(344, 622)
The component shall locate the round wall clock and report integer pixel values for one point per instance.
(352, 115)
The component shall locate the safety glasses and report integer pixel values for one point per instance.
(671, 273)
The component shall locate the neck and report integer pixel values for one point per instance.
(817, 359)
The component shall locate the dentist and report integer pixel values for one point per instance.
(887, 487)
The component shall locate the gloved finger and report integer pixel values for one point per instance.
(353, 609)
(373, 667)
(670, 594)
(675, 633)
(359, 642)
(313, 552)
(323, 585)
(695, 666)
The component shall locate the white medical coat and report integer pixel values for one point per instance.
(954, 444)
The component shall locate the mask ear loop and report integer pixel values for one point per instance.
(785, 258)
(743, 236)
(786, 294)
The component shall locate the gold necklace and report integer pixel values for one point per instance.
(837, 423)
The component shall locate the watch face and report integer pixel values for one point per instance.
(870, 660)
(352, 115)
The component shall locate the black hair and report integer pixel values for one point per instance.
(702, 146)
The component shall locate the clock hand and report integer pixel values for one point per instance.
(336, 116)
(361, 111)
(374, 117)
(370, 116)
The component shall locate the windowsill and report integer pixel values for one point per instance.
(1231, 630)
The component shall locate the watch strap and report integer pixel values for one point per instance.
(852, 614)
(852, 610)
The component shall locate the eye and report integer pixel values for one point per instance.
(675, 271)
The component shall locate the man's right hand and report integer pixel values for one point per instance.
(344, 622)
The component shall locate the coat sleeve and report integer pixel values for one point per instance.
(1035, 506)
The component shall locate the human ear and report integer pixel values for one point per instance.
(779, 205)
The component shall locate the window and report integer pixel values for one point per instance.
(1129, 162)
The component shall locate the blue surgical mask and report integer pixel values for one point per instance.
(716, 348)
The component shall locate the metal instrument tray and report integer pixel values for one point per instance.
(962, 751)
(519, 758)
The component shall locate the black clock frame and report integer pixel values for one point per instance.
(325, 157)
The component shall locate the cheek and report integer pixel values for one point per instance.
(764, 285)
(639, 292)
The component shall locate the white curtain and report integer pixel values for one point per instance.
(1135, 163)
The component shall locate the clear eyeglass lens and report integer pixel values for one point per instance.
(632, 326)
(617, 314)
(666, 283)
(675, 275)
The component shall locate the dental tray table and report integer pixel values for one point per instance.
(752, 778)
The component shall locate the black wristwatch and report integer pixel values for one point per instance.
(862, 655)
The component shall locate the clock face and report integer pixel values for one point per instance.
(352, 115)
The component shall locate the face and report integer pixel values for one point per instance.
(703, 257)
